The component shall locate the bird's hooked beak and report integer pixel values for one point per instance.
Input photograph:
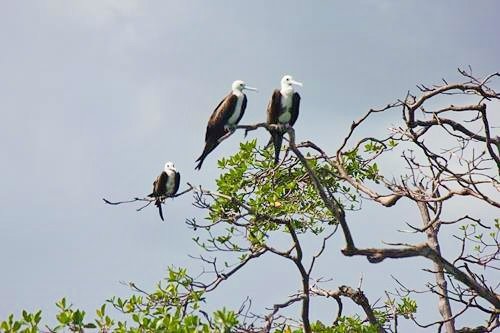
(296, 83)
(250, 88)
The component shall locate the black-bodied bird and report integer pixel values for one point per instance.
(166, 185)
(224, 118)
(283, 109)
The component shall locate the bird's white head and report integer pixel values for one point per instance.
(170, 166)
(239, 85)
(287, 81)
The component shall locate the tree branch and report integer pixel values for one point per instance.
(357, 296)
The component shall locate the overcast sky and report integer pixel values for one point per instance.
(96, 95)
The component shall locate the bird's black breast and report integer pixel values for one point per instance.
(160, 184)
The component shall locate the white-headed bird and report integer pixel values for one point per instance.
(283, 109)
(166, 185)
(224, 118)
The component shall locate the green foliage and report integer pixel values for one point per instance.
(269, 194)
(480, 242)
(358, 168)
(373, 147)
(27, 324)
(272, 194)
(255, 198)
(352, 324)
(344, 325)
(173, 307)
(407, 307)
(72, 319)
(224, 320)
(286, 192)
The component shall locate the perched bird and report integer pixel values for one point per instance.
(165, 185)
(283, 109)
(224, 118)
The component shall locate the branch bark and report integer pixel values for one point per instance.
(433, 242)
(356, 295)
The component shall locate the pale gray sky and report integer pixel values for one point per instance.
(96, 95)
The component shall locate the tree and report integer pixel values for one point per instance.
(449, 155)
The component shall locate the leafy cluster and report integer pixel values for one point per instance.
(255, 199)
(284, 192)
(174, 307)
(484, 245)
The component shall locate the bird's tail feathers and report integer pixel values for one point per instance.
(160, 211)
(207, 150)
(198, 166)
(277, 139)
(200, 160)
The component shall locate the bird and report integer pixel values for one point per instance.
(283, 109)
(166, 185)
(224, 118)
